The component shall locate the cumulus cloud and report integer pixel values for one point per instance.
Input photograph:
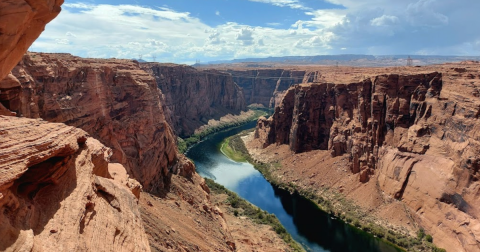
(364, 27)
(245, 35)
(424, 13)
(214, 39)
(384, 20)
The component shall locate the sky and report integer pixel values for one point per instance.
(187, 31)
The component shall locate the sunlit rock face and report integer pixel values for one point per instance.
(115, 101)
(414, 135)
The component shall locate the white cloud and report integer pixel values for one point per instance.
(246, 36)
(294, 4)
(214, 39)
(69, 34)
(384, 20)
(424, 13)
(62, 41)
(366, 27)
(217, 13)
(325, 18)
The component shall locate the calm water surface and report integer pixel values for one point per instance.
(312, 228)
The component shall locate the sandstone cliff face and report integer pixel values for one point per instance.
(193, 97)
(355, 118)
(21, 22)
(415, 136)
(56, 193)
(113, 100)
(263, 85)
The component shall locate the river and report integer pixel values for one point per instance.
(314, 229)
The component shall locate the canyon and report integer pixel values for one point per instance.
(401, 146)
(182, 86)
(88, 155)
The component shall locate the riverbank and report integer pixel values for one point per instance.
(267, 225)
(227, 147)
(223, 123)
(329, 199)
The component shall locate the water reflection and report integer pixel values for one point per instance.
(312, 228)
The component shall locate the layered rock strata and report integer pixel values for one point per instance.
(113, 100)
(56, 192)
(264, 85)
(193, 97)
(412, 139)
(21, 22)
(356, 118)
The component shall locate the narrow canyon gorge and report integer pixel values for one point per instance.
(89, 158)
(402, 146)
(88, 153)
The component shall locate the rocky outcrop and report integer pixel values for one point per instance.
(56, 192)
(187, 221)
(264, 85)
(193, 97)
(356, 118)
(113, 100)
(414, 136)
(21, 22)
(58, 189)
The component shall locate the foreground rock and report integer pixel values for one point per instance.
(184, 219)
(409, 138)
(21, 22)
(191, 218)
(56, 193)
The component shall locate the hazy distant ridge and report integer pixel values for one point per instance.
(353, 60)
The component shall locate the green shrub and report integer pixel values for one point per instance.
(280, 229)
(378, 231)
(429, 238)
(420, 234)
(254, 213)
(356, 223)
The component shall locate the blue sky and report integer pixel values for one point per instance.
(183, 31)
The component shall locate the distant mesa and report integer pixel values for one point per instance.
(352, 60)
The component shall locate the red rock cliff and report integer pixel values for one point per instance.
(412, 135)
(193, 97)
(262, 86)
(21, 22)
(113, 100)
(357, 118)
(56, 192)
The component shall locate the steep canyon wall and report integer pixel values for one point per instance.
(414, 135)
(115, 101)
(265, 86)
(56, 189)
(193, 97)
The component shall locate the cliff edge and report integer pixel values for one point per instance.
(389, 142)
